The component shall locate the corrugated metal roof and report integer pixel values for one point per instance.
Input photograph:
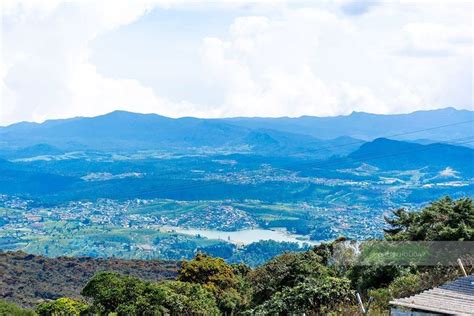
(453, 298)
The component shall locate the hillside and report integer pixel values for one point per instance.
(391, 154)
(126, 131)
(26, 279)
(122, 130)
(369, 126)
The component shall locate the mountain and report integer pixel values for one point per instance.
(392, 154)
(317, 136)
(366, 126)
(125, 131)
(30, 151)
(285, 143)
(121, 130)
(16, 178)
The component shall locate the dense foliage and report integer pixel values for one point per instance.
(61, 307)
(442, 220)
(445, 219)
(260, 252)
(125, 295)
(10, 309)
(322, 280)
(285, 271)
(205, 285)
(313, 295)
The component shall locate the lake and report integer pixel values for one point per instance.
(246, 236)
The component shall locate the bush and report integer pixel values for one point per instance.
(206, 270)
(286, 270)
(218, 277)
(110, 291)
(183, 298)
(406, 285)
(61, 307)
(365, 278)
(314, 295)
(126, 295)
(381, 298)
(10, 309)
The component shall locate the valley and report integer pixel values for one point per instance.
(244, 198)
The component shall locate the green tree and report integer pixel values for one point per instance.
(126, 295)
(366, 277)
(63, 306)
(184, 298)
(381, 298)
(444, 219)
(286, 270)
(313, 296)
(406, 285)
(218, 277)
(110, 290)
(209, 271)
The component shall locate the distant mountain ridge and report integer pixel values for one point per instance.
(367, 126)
(399, 155)
(120, 130)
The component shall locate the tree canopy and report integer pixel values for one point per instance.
(445, 219)
(125, 295)
(286, 270)
(63, 306)
(220, 278)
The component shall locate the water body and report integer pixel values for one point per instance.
(246, 236)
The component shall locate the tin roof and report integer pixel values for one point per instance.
(453, 298)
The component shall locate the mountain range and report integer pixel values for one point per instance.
(318, 137)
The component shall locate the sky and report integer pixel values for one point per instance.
(62, 59)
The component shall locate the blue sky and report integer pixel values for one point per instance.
(233, 58)
(167, 41)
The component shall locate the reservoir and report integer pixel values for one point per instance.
(246, 236)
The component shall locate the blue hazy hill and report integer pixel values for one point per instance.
(122, 130)
(369, 126)
(398, 155)
(320, 136)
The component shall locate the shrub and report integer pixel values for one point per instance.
(406, 285)
(381, 298)
(61, 307)
(218, 277)
(314, 295)
(183, 298)
(126, 295)
(110, 291)
(11, 309)
(286, 270)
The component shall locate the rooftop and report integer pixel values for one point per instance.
(453, 298)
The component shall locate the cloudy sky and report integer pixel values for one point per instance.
(233, 58)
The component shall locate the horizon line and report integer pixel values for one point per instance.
(234, 117)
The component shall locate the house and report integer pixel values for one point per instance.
(453, 298)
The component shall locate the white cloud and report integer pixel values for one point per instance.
(279, 59)
(432, 39)
(266, 67)
(46, 72)
(318, 62)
